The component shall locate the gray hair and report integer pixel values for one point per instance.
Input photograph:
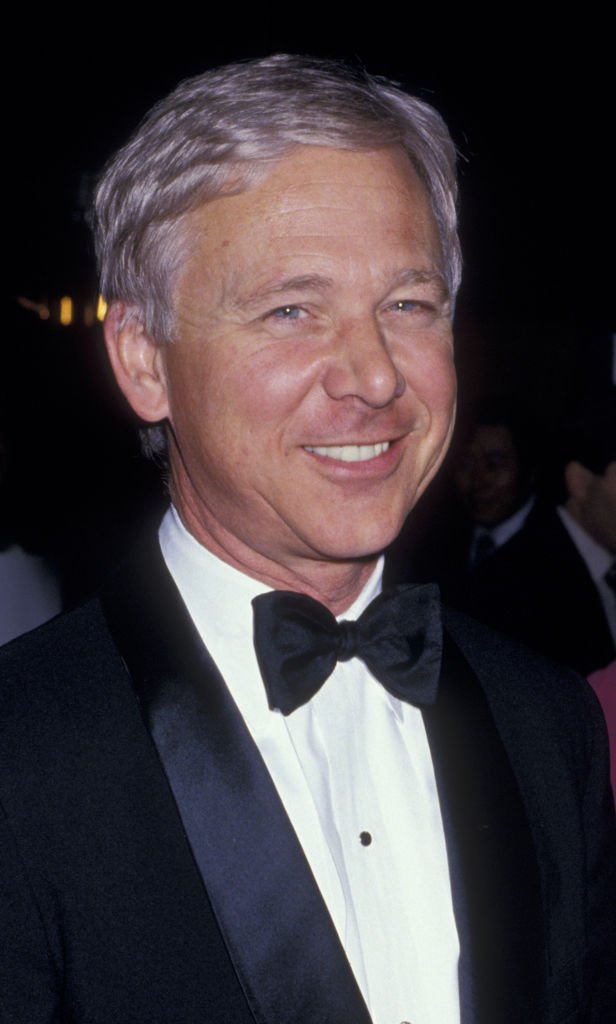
(219, 132)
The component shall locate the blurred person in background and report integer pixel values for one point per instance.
(553, 585)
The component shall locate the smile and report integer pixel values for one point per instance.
(350, 452)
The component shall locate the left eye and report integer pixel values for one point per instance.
(287, 313)
(408, 305)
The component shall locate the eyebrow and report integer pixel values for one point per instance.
(314, 282)
(411, 276)
(320, 282)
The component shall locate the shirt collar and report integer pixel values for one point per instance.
(597, 558)
(504, 531)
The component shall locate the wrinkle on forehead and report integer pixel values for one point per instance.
(286, 190)
(299, 223)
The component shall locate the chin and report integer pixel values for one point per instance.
(361, 544)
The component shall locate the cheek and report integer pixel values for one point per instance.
(433, 380)
(270, 393)
(241, 408)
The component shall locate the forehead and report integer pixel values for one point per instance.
(320, 202)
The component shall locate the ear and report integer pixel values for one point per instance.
(137, 362)
(577, 479)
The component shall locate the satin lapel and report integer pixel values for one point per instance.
(493, 867)
(272, 917)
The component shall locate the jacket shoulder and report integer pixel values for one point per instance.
(534, 699)
(64, 686)
(548, 717)
(69, 644)
(501, 661)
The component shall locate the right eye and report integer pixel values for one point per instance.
(286, 313)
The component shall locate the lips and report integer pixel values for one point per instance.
(349, 452)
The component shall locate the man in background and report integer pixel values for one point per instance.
(494, 473)
(488, 498)
(553, 586)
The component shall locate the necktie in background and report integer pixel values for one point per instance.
(483, 547)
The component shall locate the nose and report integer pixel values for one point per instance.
(362, 366)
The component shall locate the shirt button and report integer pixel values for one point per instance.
(365, 839)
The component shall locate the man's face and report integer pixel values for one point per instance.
(311, 384)
(488, 476)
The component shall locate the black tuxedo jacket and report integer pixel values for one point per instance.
(150, 873)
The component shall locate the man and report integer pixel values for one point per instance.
(553, 586)
(494, 475)
(185, 840)
(494, 463)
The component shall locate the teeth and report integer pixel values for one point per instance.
(350, 452)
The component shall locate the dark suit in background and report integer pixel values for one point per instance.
(537, 588)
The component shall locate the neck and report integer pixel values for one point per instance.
(335, 583)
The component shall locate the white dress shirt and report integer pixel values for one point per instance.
(354, 773)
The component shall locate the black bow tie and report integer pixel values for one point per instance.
(298, 642)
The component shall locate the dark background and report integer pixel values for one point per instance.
(531, 110)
